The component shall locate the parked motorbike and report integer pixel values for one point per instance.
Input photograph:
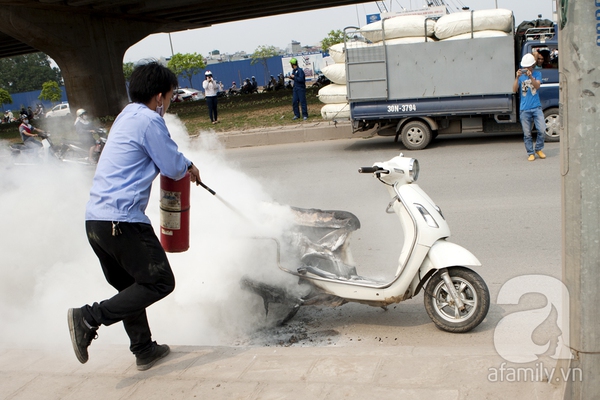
(321, 81)
(456, 298)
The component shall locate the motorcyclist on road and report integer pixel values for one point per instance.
(85, 131)
(28, 134)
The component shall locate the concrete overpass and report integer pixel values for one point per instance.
(88, 38)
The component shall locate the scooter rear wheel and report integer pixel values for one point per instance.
(441, 308)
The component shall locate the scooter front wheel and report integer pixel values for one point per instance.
(442, 309)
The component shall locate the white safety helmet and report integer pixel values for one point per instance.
(80, 112)
(208, 73)
(528, 60)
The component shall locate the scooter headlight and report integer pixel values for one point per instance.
(413, 169)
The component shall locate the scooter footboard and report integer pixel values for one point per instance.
(443, 254)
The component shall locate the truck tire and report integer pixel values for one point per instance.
(416, 135)
(551, 117)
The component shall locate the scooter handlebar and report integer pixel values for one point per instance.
(369, 170)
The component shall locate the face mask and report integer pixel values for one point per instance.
(25, 121)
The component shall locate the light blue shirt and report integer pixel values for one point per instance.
(138, 148)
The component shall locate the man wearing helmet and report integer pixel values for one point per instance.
(85, 131)
(28, 134)
(299, 93)
(210, 93)
(527, 82)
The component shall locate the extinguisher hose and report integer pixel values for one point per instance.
(207, 188)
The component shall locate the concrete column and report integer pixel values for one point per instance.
(579, 58)
(89, 50)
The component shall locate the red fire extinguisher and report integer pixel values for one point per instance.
(175, 213)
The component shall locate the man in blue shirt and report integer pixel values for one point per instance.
(299, 91)
(527, 83)
(133, 261)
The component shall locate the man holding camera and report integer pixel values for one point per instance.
(527, 82)
(211, 88)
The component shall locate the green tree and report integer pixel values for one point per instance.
(50, 92)
(127, 70)
(333, 37)
(187, 65)
(5, 97)
(261, 55)
(27, 72)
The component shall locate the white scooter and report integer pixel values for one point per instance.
(456, 298)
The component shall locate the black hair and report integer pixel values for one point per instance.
(150, 79)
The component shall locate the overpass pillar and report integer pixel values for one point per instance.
(88, 49)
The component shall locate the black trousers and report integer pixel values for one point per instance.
(211, 103)
(136, 265)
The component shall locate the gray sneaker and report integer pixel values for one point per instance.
(147, 359)
(81, 332)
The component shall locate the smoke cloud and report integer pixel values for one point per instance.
(47, 265)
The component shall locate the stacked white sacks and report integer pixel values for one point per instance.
(407, 29)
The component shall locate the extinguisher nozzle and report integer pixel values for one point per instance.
(207, 188)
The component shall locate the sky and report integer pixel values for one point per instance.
(308, 27)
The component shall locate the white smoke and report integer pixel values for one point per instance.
(47, 265)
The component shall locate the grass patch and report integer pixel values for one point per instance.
(245, 112)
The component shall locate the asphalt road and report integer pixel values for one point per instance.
(501, 207)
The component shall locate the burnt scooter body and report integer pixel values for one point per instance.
(456, 298)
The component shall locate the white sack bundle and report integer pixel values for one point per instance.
(406, 40)
(476, 35)
(397, 27)
(338, 52)
(497, 19)
(333, 93)
(336, 73)
(336, 111)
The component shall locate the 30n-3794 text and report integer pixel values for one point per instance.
(402, 107)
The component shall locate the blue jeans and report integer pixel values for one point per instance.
(299, 96)
(535, 115)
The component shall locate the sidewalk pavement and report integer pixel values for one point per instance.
(331, 372)
(308, 131)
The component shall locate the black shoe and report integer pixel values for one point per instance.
(81, 334)
(147, 359)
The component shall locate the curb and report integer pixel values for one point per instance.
(303, 132)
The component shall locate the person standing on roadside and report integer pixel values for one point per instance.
(299, 90)
(527, 83)
(211, 89)
(132, 259)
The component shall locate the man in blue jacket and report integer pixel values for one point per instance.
(139, 147)
(299, 91)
